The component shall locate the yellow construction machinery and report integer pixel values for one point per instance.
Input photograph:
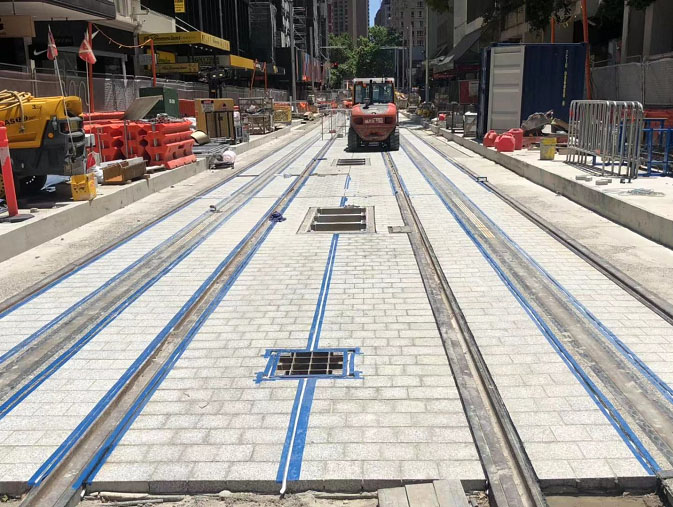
(45, 137)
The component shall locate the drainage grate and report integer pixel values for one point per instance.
(287, 364)
(353, 219)
(351, 161)
(300, 364)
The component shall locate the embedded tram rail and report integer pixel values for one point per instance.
(260, 339)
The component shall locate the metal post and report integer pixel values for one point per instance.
(553, 30)
(585, 25)
(411, 57)
(154, 64)
(293, 65)
(310, 47)
(89, 67)
(238, 47)
(427, 56)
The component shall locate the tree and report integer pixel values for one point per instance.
(538, 12)
(370, 57)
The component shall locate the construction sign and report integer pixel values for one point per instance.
(179, 6)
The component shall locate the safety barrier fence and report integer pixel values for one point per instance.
(647, 82)
(608, 134)
(657, 147)
(335, 122)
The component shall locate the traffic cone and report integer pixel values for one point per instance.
(8, 180)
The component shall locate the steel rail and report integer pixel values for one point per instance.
(645, 400)
(511, 478)
(63, 483)
(13, 302)
(26, 370)
(645, 296)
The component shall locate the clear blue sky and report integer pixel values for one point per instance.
(373, 9)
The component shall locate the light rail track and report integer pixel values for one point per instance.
(638, 403)
(31, 361)
(510, 475)
(63, 476)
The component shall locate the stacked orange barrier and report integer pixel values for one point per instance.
(168, 144)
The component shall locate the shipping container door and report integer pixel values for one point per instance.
(506, 86)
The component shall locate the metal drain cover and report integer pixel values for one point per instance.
(351, 161)
(335, 220)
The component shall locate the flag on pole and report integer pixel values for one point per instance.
(85, 51)
(52, 50)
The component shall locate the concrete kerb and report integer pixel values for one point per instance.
(32, 233)
(639, 220)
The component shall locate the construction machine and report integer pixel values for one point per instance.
(46, 136)
(374, 115)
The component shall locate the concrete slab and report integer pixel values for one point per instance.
(648, 215)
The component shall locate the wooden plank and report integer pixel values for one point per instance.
(421, 495)
(450, 493)
(393, 497)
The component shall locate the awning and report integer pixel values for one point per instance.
(239, 62)
(185, 38)
(444, 63)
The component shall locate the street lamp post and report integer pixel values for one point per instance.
(427, 56)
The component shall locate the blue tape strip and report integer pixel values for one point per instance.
(612, 414)
(113, 440)
(624, 349)
(56, 320)
(297, 456)
(288, 437)
(299, 425)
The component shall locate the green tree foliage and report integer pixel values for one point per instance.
(539, 12)
(368, 58)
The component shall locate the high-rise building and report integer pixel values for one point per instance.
(348, 16)
(383, 14)
(408, 18)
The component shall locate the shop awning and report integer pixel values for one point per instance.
(239, 62)
(444, 63)
(186, 38)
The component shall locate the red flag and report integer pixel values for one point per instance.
(52, 50)
(85, 51)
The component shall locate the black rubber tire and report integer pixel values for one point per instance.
(31, 185)
(353, 140)
(394, 141)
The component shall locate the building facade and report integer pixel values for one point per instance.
(383, 14)
(348, 16)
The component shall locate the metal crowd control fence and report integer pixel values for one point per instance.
(609, 133)
(113, 92)
(335, 122)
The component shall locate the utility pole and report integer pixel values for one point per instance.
(293, 70)
(310, 47)
(427, 54)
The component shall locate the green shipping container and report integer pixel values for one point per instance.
(169, 104)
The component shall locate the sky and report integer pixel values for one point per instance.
(373, 8)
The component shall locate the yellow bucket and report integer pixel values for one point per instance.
(547, 148)
(83, 187)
